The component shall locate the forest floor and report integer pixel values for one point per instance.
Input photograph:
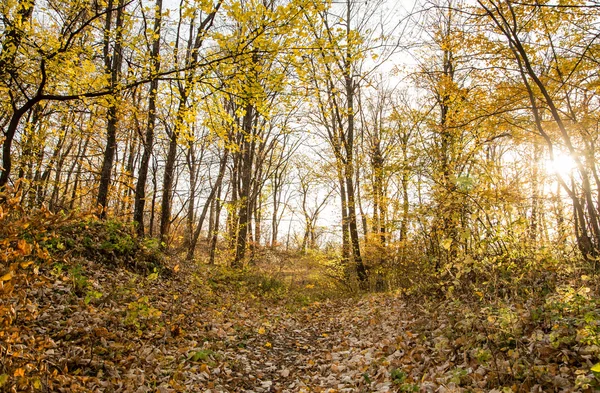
(71, 322)
(91, 328)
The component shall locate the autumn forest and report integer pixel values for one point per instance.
(299, 196)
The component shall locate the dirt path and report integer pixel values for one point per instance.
(125, 333)
(342, 346)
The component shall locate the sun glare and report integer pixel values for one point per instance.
(563, 164)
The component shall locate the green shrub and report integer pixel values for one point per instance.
(111, 242)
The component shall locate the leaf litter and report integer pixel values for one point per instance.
(99, 329)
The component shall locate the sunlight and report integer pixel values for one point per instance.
(563, 164)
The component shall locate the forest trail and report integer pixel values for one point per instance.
(343, 345)
(80, 326)
(85, 328)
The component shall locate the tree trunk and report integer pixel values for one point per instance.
(169, 175)
(77, 163)
(345, 232)
(154, 193)
(246, 173)
(13, 36)
(191, 213)
(350, 192)
(215, 233)
(275, 216)
(52, 204)
(113, 65)
(140, 187)
(214, 192)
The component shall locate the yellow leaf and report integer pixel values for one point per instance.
(268, 344)
(6, 277)
(261, 330)
(446, 243)
(37, 384)
(176, 268)
(25, 265)
(596, 368)
(3, 379)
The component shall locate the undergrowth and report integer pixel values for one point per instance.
(41, 236)
(294, 279)
(513, 323)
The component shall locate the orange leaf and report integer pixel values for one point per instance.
(20, 372)
(25, 265)
(22, 245)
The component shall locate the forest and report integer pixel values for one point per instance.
(300, 196)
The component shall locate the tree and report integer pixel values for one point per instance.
(255, 87)
(313, 200)
(37, 63)
(148, 143)
(336, 67)
(557, 86)
(185, 88)
(112, 63)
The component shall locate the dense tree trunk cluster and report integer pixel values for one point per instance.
(244, 123)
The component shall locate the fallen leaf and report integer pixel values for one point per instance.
(26, 264)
